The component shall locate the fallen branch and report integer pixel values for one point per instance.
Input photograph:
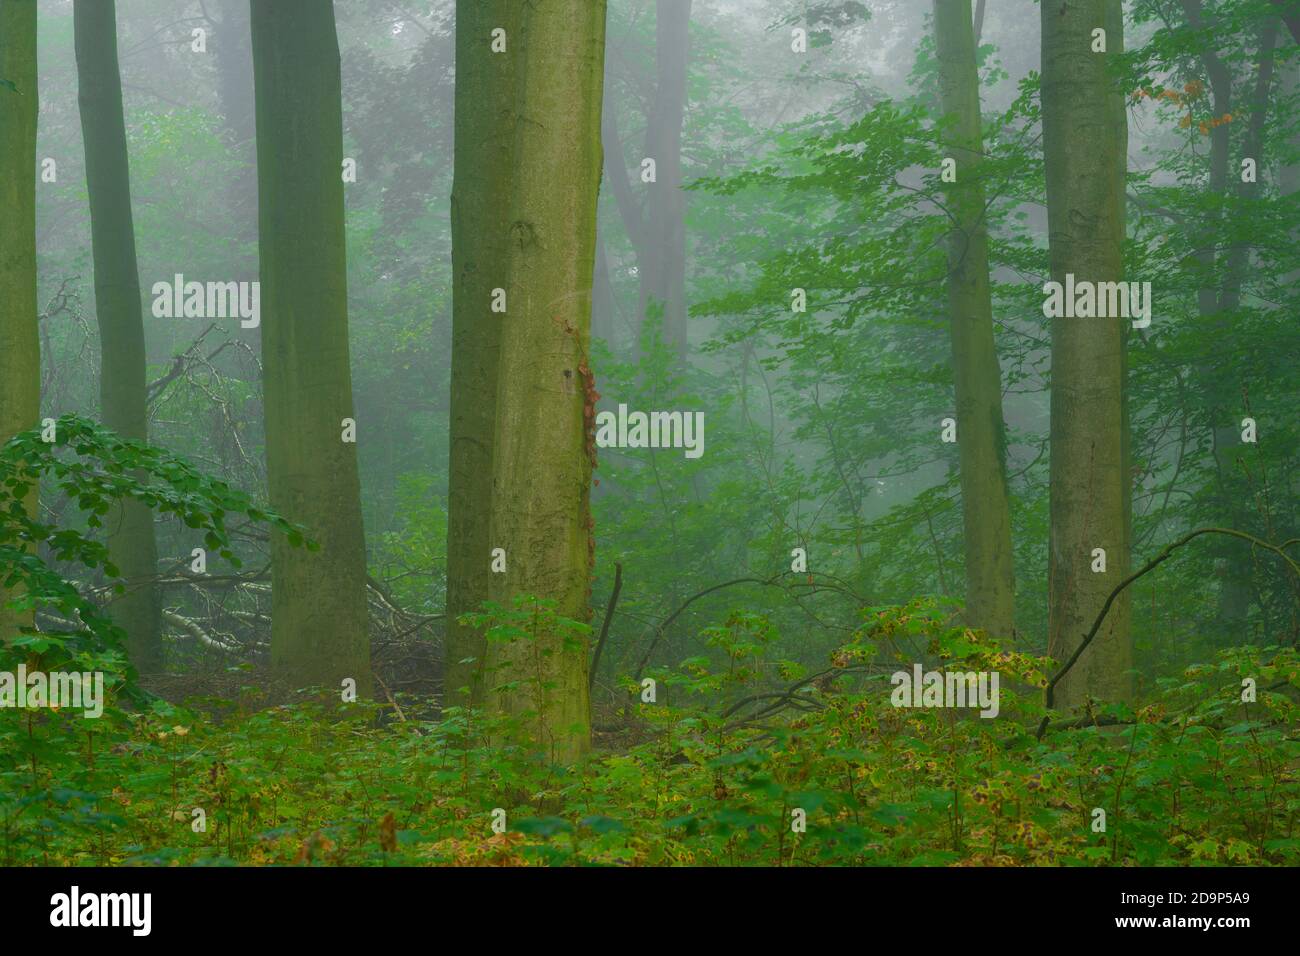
(790, 696)
(192, 628)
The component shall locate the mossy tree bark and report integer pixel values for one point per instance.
(123, 365)
(20, 351)
(541, 474)
(981, 435)
(1089, 477)
(319, 630)
(480, 223)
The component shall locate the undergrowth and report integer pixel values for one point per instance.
(1193, 776)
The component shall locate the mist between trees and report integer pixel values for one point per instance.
(356, 364)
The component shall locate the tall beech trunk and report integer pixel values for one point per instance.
(981, 437)
(480, 225)
(123, 384)
(545, 442)
(20, 351)
(319, 622)
(1089, 475)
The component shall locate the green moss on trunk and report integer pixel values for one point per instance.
(541, 474)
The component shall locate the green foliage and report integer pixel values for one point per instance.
(1195, 777)
(49, 763)
(821, 434)
(95, 469)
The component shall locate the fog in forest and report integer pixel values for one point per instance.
(880, 410)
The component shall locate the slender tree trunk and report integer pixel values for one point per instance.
(232, 46)
(20, 351)
(1232, 604)
(1119, 116)
(480, 224)
(1289, 11)
(615, 180)
(233, 58)
(123, 384)
(1218, 298)
(602, 306)
(1288, 181)
(663, 259)
(544, 412)
(986, 513)
(615, 173)
(319, 629)
(1089, 479)
(1237, 581)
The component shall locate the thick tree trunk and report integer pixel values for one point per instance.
(20, 351)
(123, 381)
(1089, 476)
(544, 420)
(319, 630)
(663, 258)
(480, 208)
(986, 513)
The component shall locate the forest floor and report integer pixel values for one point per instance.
(235, 772)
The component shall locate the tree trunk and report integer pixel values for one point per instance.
(319, 629)
(123, 384)
(1088, 477)
(663, 259)
(480, 223)
(544, 416)
(603, 308)
(1288, 180)
(986, 513)
(232, 46)
(1236, 585)
(233, 58)
(1119, 117)
(20, 351)
(1218, 297)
